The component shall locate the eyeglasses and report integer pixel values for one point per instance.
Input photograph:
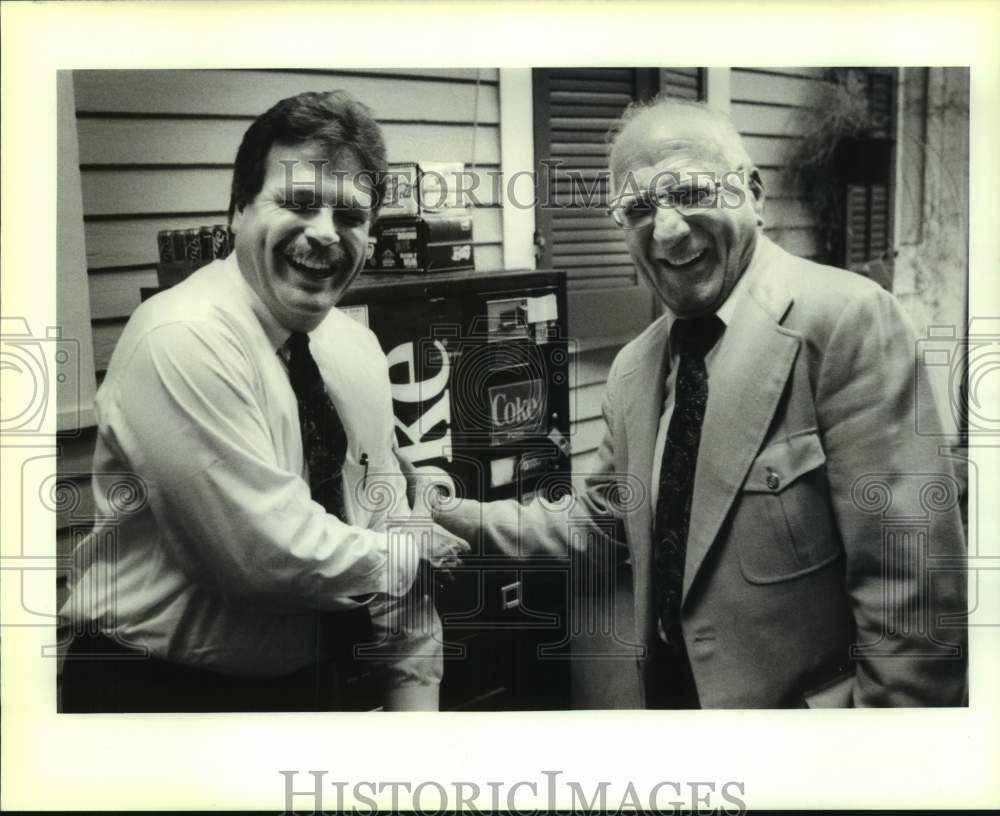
(686, 199)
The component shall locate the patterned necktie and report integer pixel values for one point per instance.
(324, 445)
(692, 339)
(324, 442)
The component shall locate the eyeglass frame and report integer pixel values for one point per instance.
(657, 201)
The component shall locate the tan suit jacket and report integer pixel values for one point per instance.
(825, 559)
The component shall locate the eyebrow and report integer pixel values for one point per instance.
(308, 195)
(673, 184)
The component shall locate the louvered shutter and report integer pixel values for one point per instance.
(868, 203)
(868, 196)
(686, 83)
(867, 222)
(575, 109)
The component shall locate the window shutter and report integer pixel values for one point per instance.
(881, 107)
(867, 222)
(575, 109)
(867, 244)
(686, 83)
(578, 107)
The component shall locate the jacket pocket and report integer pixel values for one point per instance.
(784, 522)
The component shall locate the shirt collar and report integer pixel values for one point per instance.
(727, 311)
(277, 335)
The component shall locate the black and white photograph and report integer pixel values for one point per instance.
(628, 531)
(396, 399)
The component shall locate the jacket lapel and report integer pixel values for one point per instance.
(746, 382)
(643, 398)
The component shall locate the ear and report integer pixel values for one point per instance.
(756, 185)
(237, 219)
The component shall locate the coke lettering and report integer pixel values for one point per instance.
(433, 391)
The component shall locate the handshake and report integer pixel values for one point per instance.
(426, 487)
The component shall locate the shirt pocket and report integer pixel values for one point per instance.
(784, 524)
(374, 489)
(356, 502)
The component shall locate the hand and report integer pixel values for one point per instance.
(426, 486)
(444, 550)
(409, 473)
(441, 555)
(434, 489)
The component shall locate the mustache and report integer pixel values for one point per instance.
(336, 255)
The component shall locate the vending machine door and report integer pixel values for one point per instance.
(478, 372)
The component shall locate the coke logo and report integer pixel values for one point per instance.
(516, 405)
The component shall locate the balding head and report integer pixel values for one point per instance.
(689, 201)
(648, 127)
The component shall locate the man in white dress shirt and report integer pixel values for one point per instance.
(235, 579)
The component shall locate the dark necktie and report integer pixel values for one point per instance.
(692, 339)
(324, 446)
(324, 442)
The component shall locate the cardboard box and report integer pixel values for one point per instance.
(431, 243)
(422, 188)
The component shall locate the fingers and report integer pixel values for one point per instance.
(405, 465)
(444, 551)
(448, 561)
(432, 488)
(439, 576)
(409, 473)
(435, 497)
(460, 544)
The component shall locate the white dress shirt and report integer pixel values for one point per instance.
(221, 557)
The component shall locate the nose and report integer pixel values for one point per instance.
(322, 230)
(669, 226)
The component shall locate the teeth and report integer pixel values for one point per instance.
(684, 261)
(310, 266)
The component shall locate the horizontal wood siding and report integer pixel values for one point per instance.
(156, 152)
(765, 108)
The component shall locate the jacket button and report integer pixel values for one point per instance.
(772, 481)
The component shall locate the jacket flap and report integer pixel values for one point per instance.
(782, 462)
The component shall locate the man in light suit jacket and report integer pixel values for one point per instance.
(793, 540)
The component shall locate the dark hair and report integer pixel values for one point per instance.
(334, 118)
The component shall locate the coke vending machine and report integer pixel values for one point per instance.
(478, 366)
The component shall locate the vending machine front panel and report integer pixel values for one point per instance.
(478, 367)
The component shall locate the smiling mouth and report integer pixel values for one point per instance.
(313, 270)
(684, 262)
